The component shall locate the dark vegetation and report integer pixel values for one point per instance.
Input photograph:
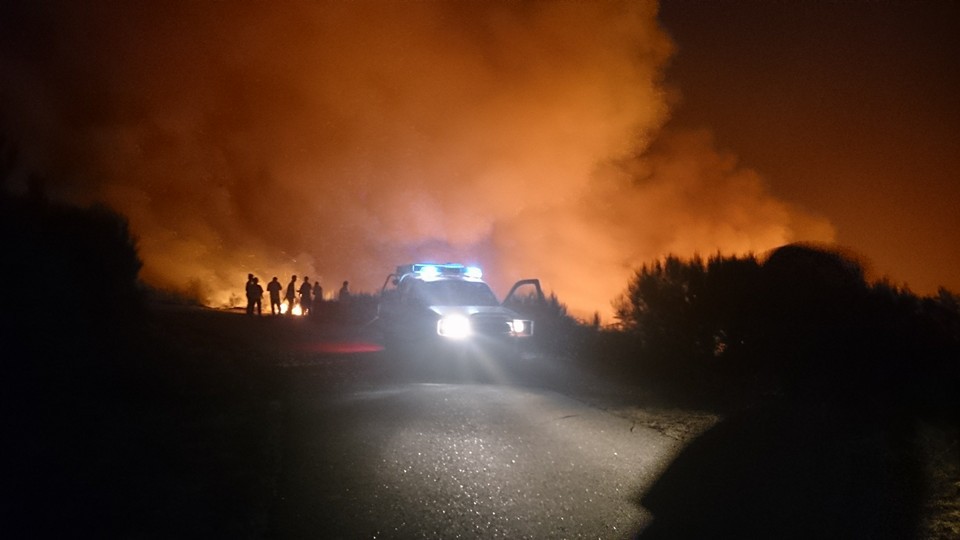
(119, 420)
(803, 323)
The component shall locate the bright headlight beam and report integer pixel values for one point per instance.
(454, 327)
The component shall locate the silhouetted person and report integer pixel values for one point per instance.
(249, 291)
(305, 289)
(291, 295)
(257, 297)
(317, 304)
(274, 288)
(344, 294)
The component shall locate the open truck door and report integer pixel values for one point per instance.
(525, 297)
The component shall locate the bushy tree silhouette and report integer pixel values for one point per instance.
(71, 274)
(72, 308)
(804, 321)
(661, 307)
(689, 315)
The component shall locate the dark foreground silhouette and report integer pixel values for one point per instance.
(827, 444)
(792, 470)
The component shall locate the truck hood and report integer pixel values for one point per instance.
(443, 311)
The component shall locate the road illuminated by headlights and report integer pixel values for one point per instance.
(462, 461)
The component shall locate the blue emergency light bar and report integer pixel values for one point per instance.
(433, 270)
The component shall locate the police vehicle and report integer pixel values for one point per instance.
(450, 305)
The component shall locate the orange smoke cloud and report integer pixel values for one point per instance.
(336, 140)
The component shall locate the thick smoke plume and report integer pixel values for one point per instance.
(338, 139)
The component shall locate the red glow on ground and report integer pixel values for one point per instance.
(344, 347)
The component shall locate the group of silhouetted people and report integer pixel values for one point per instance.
(308, 297)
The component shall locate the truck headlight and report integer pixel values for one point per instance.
(454, 327)
(521, 327)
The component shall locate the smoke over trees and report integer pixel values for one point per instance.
(340, 139)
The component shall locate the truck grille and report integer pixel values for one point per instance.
(490, 325)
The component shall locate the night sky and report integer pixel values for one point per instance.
(848, 109)
(571, 141)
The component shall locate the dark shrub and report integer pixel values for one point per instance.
(805, 322)
(71, 275)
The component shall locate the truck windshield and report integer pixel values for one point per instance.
(455, 293)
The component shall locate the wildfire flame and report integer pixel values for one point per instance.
(285, 307)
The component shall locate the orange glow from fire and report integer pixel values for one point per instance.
(526, 138)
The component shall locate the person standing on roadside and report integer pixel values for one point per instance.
(344, 294)
(291, 295)
(249, 291)
(274, 288)
(257, 297)
(305, 289)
